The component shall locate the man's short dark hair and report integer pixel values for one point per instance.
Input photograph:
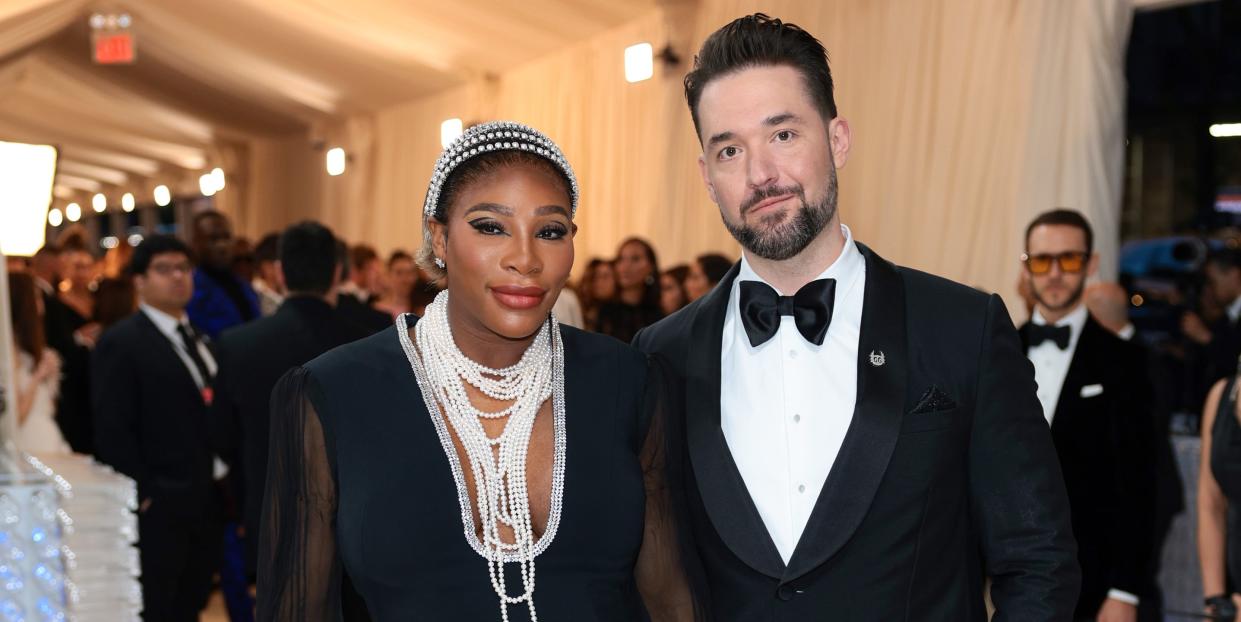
(153, 246)
(1067, 217)
(761, 41)
(268, 248)
(308, 257)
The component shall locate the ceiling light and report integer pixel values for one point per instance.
(449, 131)
(162, 195)
(99, 202)
(335, 161)
(639, 62)
(127, 202)
(54, 217)
(73, 212)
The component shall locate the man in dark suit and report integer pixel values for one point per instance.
(1221, 341)
(73, 415)
(1095, 394)
(862, 440)
(254, 356)
(152, 384)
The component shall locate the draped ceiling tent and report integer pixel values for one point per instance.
(217, 80)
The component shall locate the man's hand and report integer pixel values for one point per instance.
(1117, 611)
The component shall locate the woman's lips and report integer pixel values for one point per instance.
(515, 297)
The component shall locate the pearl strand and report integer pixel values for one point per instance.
(501, 491)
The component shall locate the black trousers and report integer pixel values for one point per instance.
(179, 557)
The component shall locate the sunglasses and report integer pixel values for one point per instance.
(1071, 262)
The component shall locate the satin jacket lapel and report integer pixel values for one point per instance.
(720, 485)
(1075, 378)
(855, 476)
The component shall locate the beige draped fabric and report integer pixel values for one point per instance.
(968, 119)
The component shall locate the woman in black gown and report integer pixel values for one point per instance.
(374, 468)
(1219, 501)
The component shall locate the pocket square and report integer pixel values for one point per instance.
(934, 400)
(1092, 390)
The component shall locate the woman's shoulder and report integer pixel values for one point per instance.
(585, 348)
(358, 361)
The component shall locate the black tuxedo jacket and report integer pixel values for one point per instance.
(252, 358)
(1105, 435)
(150, 418)
(946, 474)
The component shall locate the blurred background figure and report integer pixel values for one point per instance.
(38, 371)
(672, 294)
(637, 301)
(704, 273)
(253, 357)
(596, 287)
(267, 278)
(366, 273)
(399, 282)
(351, 308)
(222, 299)
(1108, 304)
(115, 300)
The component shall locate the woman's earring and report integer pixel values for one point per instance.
(439, 263)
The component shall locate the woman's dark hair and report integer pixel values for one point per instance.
(761, 41)
(586, 285)
(714, 266)
(650, 295)
(469, 172)
(115, 300)
(678, 274)
(24, 309)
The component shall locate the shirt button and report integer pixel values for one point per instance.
(792, 354)
(796, 418)
(801, 488)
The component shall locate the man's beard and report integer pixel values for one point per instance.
(1069, 302)
(776, 240)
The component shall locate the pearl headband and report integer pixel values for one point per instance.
(490, 137)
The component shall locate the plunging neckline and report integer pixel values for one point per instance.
(454, 459)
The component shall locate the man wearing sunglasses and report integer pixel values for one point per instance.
(1094, 391)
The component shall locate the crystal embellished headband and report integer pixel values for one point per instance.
(489, 137)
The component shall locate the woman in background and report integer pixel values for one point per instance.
(637, 282)
(704, 273)
(37, 369)
(1219, 499)
(598, 286)
(672, 294)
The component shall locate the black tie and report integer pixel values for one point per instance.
(811, 308)
(191, 347)
(1058, 335)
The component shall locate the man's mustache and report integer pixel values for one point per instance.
(771, 192)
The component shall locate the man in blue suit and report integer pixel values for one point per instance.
(221, 299)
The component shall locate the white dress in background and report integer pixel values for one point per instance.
(39, 434)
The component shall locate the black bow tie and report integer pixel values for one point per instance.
(811, 308)
(1058, 335)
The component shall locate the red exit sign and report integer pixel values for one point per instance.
(114, 48)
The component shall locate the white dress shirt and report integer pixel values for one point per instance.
(1051, 364)
(168, 326)
(1234, 310)
(1051, 367)
(786, 405)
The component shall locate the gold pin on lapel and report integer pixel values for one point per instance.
(877, 360)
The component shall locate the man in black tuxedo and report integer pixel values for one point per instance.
(1095, 394)
(254, 356)
(879, 451)
(152, 383)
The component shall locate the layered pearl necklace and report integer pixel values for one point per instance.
(442, 372)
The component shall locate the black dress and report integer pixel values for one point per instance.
(1226, 467)
(358, 480)
(623, 321)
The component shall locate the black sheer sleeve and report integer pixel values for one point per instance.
(665, 570)
(299, 571)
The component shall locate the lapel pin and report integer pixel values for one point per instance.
(877, 360)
